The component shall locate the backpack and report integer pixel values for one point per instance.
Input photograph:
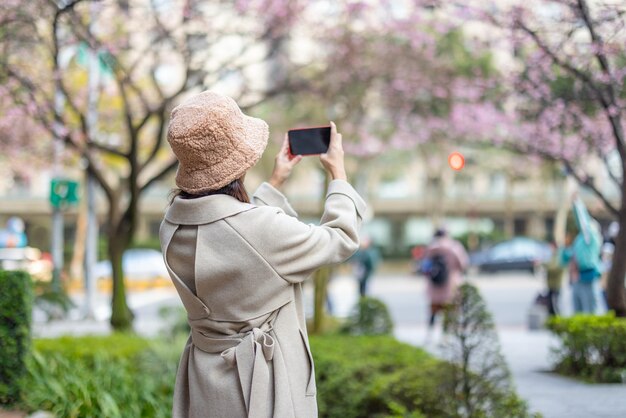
(438, 273)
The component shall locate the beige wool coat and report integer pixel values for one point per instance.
(238, 269)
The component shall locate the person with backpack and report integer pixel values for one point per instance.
(445, 260)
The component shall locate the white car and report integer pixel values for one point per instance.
(30, 259)
(138, 264)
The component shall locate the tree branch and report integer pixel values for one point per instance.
(128, 118)
(529, 150)
(91, 169)
(589, 184)
(162, 173)
(58, 77)
(107, 149)
(563, 64)
(605, 102)
(597, 40)
(122, 74)
(158, 142)
(605, 66)
(155, 83)
(616, 180)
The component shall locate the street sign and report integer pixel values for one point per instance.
(63, 192)
(104, 59)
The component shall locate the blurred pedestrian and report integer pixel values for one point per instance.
(365, 262)
(238, 264)
(554, 278)
(14, 236)
(417, 257)
(445, 260)
(582, 256)
(606, 254)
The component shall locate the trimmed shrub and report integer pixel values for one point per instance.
(126, 376)
(592, 347)
(370, 316)
(375, 376)
(175, 321)
(478, 381)
(16, 300)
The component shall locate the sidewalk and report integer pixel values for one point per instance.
(528, 353)
(528, 357)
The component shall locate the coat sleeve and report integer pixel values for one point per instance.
(267, 195)
(295, 249)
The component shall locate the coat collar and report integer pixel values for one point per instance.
(204, 210)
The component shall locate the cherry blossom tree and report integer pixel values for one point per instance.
(410, 76)
(388, 75)
(422, 79)
(151, 53)
(563, 98)
(16, 140)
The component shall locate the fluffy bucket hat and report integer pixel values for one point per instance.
(215, 143)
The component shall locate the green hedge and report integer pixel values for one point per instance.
(378, 376)
(16, 299)
(127, 376)
(481, 384)
(371, 376)
(369, 316)
(592, 347)
(115, 376)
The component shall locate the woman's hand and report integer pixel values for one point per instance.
(332, 160)
(283, 164)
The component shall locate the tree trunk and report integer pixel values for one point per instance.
(320, 280)
(121, 315)
(616, 293)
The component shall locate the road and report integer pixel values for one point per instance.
(508, 297)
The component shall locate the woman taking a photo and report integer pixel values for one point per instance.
(238, 264)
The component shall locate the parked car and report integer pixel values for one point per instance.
(138, 264)
(29, 259)
(516, 254)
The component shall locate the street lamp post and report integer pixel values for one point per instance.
(57, 211)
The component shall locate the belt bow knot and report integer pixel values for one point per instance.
(251, 353)
(261, 341)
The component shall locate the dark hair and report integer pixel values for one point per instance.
(235, 189)
(440, 232)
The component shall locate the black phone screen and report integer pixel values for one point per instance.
(309, 141)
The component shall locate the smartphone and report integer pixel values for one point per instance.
(309, 141)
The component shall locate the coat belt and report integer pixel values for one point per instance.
(250, 352)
